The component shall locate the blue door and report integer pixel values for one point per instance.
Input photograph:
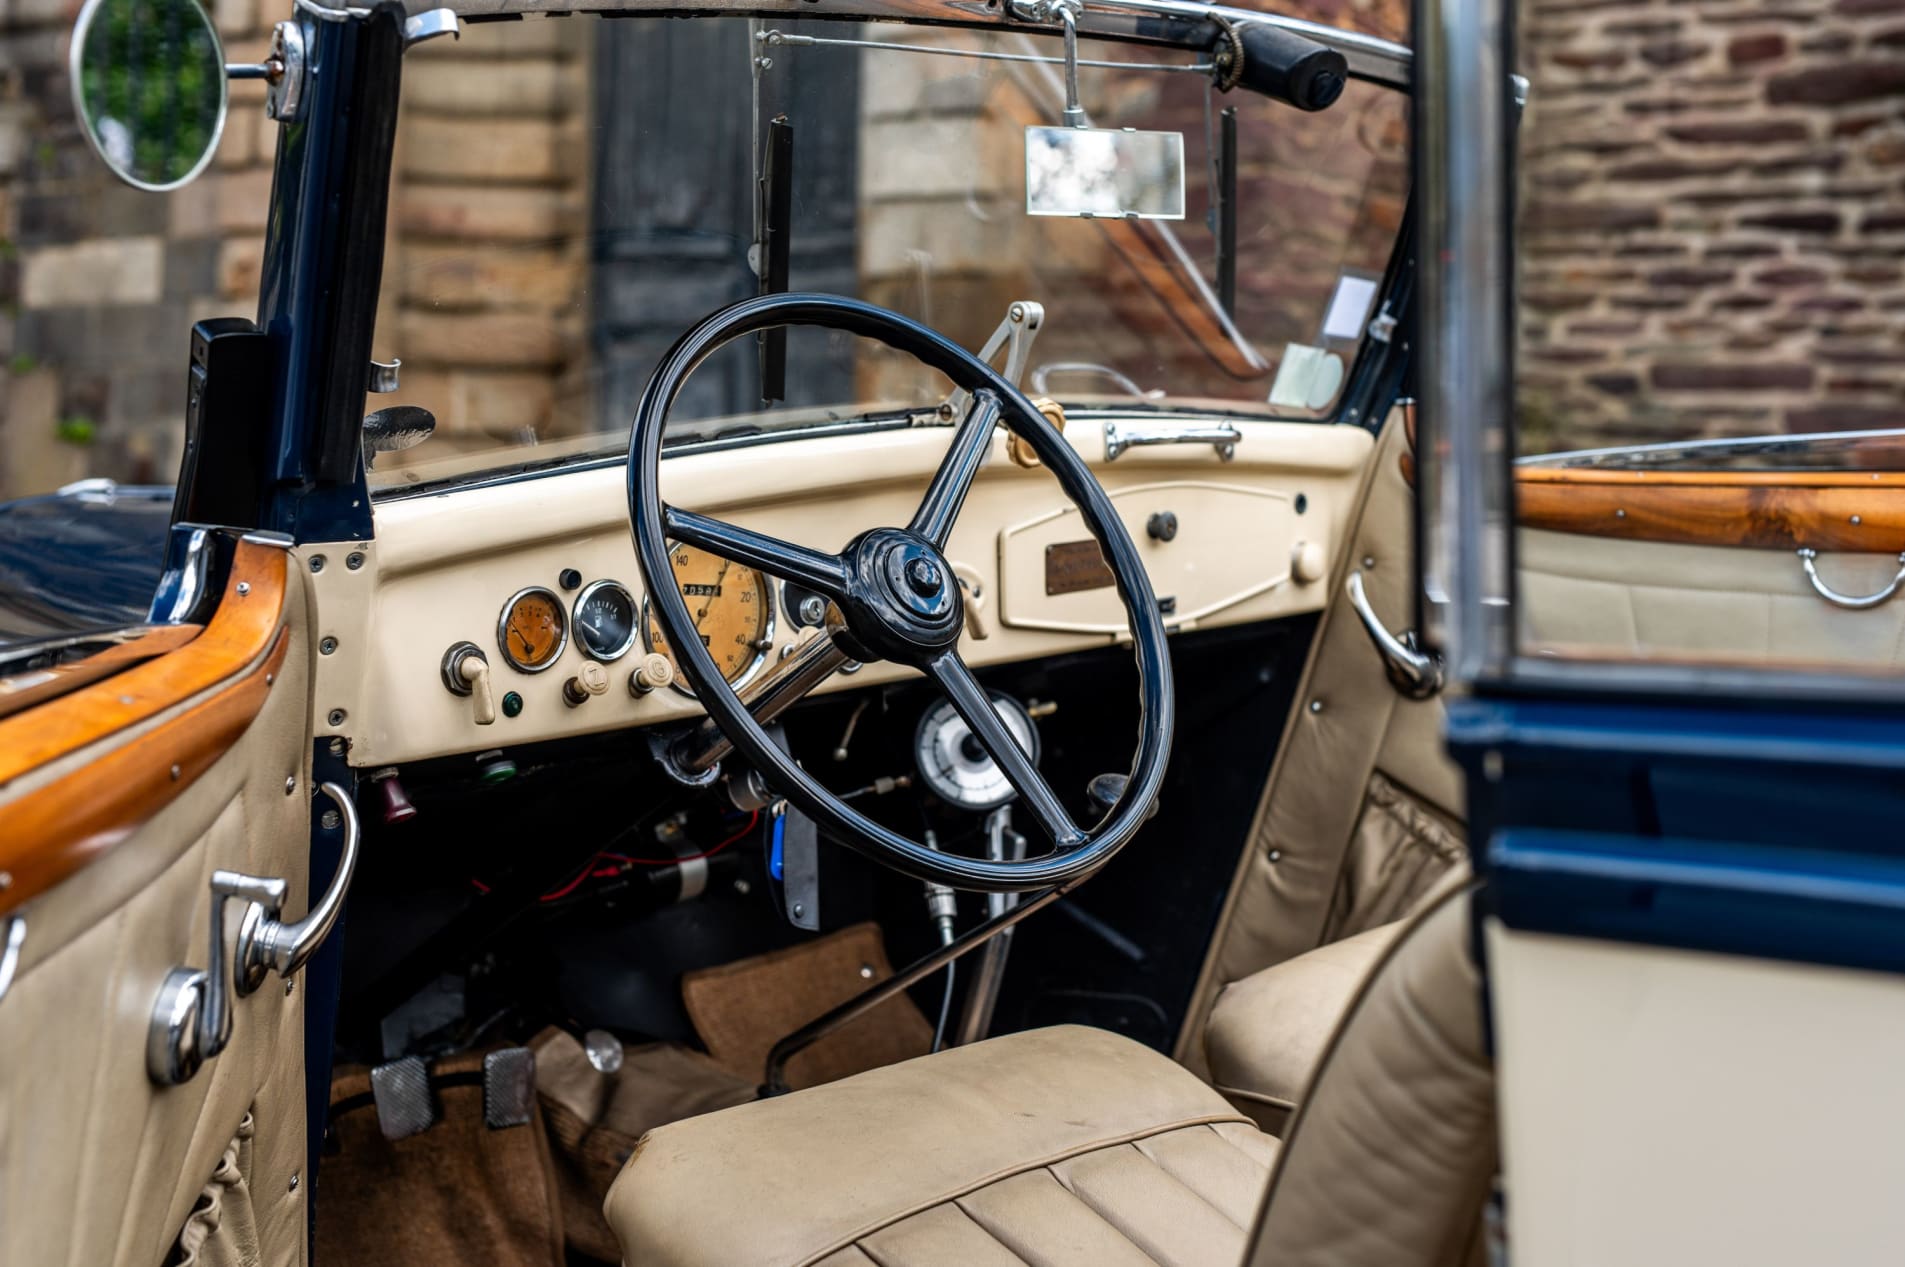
(1663, 517)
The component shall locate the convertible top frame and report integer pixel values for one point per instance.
(1171, 23)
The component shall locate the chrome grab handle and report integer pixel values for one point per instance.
(284, 948)
(1857, 603)
(10, 944)
(1415, 673)
(192, 1017)
(1120, 436)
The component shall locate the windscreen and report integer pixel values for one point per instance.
(542, 265)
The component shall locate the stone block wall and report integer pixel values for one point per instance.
(1713, 219)
(99, 282)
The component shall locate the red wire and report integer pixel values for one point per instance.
(591, 870)
(752, 820)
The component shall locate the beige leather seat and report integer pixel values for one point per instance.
(1268, 1032)
(1072, 1145)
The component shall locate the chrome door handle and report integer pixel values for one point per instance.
(1415, 673)
(192, 1017)
(1807, 554)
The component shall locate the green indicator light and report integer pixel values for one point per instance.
(512, 704)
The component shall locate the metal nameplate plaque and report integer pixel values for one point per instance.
(1073, 566)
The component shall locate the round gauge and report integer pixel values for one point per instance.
(534, 629)
(732, 611)
(605, 620)
(956, 766)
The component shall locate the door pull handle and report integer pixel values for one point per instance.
(192, 1017)
(1415, 673)
(1857, 603)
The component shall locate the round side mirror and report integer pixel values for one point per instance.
(149, 87)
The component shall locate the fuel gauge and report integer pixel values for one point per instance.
(605, 620)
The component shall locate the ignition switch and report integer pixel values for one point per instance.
(466, 673)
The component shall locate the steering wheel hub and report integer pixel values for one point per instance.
(900, 601)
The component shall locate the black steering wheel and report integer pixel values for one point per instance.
(895, 598)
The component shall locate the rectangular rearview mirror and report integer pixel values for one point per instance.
(1111, 172)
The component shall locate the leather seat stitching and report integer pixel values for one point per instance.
(1189, 1187)
(1181, 1181)
(1046, 1163)
(1115, 1225)
(1238, 1149)
(999, 1236)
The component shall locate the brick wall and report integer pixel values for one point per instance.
(1714, 212)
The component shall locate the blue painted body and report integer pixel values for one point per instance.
(80, 561)
(1746, 827)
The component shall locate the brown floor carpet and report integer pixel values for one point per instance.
(459, 1193)
(742, 1009)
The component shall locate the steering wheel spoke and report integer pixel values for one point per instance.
(815, 569)
(953, 480)
(975, 706)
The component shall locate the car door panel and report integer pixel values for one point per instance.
(1593, 594)
(1361, 813)
(131, 792)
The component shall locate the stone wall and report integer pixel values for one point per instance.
(1713, 217)
(99, 282)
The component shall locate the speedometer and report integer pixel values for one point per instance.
(605, 620)
(731, 608)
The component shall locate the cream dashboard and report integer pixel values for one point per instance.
(491, 616)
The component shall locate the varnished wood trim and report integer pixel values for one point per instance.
(52, 832)
(1826, 510)
(32, 687)
(247, 620)
(1602, 476)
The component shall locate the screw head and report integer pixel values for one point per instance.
(866, 972)
(337, 746)
(317, 563)
(290, 784)
(1316, 706)
(354, 560)
(244, 588)
(175, 774)
(326, 646)
(294, 1174)
(337, 717)
(329, 820)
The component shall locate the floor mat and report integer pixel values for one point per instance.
(742, 1009)
(457, 1193)
(595, 1118)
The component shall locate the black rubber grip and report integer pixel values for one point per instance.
(1290, 68)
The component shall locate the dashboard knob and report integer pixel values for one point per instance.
(653, 673)
(1308, 562)
(1161, 526)
(590, 679)
(466, 673)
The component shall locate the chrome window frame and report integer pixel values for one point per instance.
(1466, 107)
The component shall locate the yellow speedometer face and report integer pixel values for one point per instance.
(732, 611)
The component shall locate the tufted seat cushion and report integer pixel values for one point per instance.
(1057, 1145)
